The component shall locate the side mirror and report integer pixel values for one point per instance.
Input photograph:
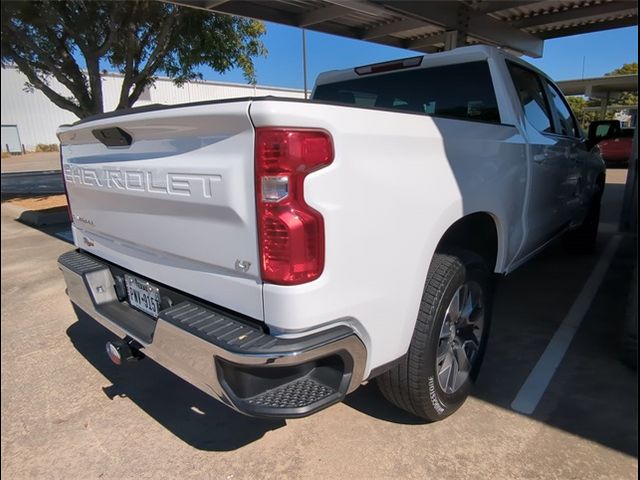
(589, 143)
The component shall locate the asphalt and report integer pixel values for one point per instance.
(67, 412)
(32, 183)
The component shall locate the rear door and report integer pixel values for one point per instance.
(568, 133)
(547, 192)
(169, 194)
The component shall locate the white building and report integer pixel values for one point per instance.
(30, 118)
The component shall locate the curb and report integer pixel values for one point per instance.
(38, 218)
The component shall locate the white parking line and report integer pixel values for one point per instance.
(538, 380)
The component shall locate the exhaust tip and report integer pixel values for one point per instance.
(116, 351)
(124, 351)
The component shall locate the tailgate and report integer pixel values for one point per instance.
(171, 199)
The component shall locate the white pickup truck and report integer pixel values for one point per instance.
(278, 253)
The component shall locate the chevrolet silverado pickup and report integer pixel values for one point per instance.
(278, 253)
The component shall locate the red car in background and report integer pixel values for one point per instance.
(614, 141)
(616, 151)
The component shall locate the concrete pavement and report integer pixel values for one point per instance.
(67, 412)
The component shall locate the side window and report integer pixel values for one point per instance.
(532, 97)
(603, 130)
(566, 123)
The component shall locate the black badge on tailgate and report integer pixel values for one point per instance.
(112, 137)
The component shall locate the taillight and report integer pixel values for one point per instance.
(64, 183)
(291, 233)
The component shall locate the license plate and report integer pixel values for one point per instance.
(142, 295)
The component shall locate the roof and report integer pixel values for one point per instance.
(594, 87)
(458, 55)
(431, 26)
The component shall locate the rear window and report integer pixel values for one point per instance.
(461, 91)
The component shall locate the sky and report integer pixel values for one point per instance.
(562, 58)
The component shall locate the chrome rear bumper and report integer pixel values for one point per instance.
(221, 353)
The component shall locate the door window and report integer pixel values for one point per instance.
(566, 124)
(532, 97)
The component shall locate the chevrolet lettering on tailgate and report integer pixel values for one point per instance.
(185, 184)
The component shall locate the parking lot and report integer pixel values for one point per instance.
(67, 412)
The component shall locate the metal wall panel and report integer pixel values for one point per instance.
(10, 139)
(37, 118)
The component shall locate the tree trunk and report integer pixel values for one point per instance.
(95, 85)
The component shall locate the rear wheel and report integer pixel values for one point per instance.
(435, 377)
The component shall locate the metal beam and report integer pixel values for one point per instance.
(497, 32)
(361, 7)
(582, 14)
(214, 4)
(322, 15)
(588, 28)
(611, 107)
(244, 9)
(394, 27)
(484, 27)
(258, 11)
(430, 41)
(265, 12)
(490, 6)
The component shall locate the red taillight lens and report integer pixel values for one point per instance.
(291, 232)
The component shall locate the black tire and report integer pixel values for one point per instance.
(583, 239)
(412, 384)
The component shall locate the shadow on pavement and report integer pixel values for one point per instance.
(188, 413)
(61, 231)
(593, 394)
(369, 400)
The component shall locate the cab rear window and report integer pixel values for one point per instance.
(462, 91)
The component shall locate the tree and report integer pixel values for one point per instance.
(627, 98)
(578, 104)
(45, 39)
(626, 69)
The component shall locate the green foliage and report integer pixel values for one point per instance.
(627, 98)
(626, 69)
(140, 39)
(578, 105)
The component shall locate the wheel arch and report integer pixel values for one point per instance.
(479, 232)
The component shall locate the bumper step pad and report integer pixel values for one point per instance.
(297, 394)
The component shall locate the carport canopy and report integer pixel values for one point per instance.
(600, 87)
(520, 26)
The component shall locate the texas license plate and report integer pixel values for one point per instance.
(142, 295)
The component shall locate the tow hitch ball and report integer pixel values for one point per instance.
(124, 351)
